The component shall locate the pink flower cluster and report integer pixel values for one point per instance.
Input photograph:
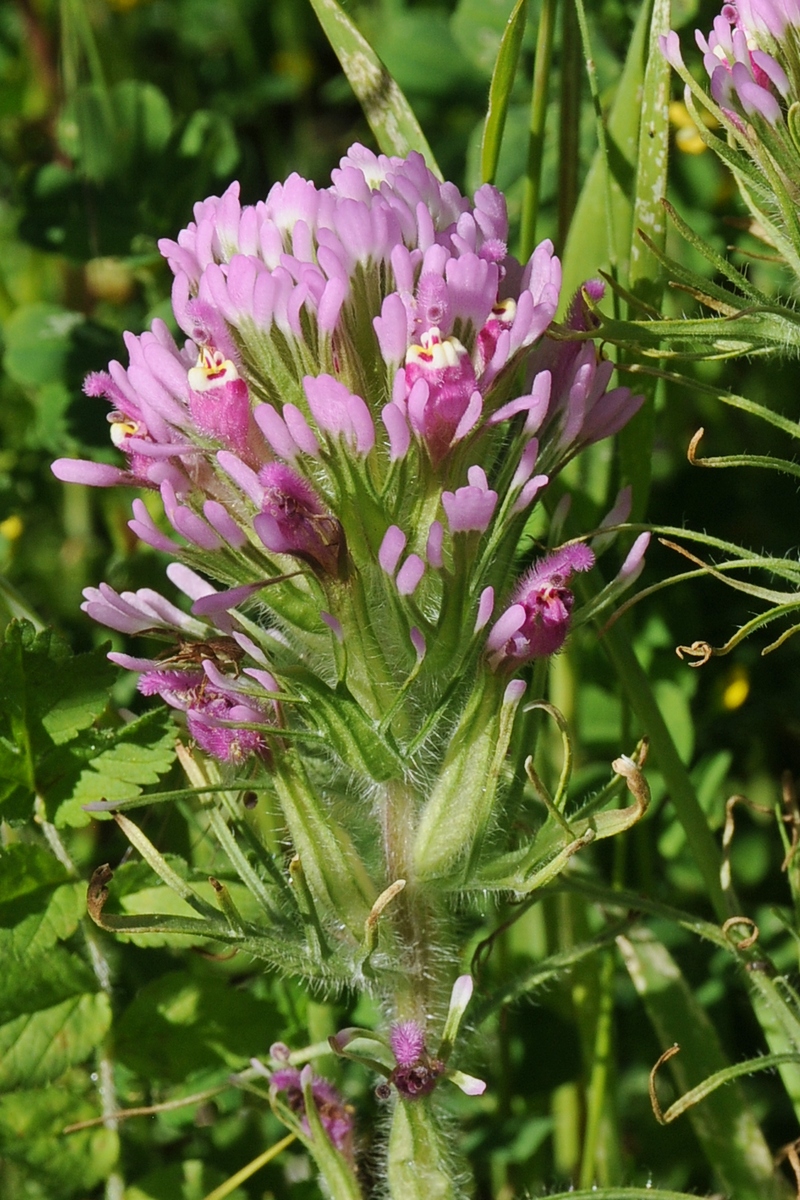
(344, 409)
(750, 57)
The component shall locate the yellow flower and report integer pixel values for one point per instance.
(687, 135)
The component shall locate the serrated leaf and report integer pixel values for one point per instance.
(38, 1047)
(47, 696)
(77, 695)
(37, 924)
(16, 753)
(31, 981)
(142, 752)
(31, 1122)
(390, 116)
(25, 868)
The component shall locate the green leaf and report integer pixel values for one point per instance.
(500, 90)
(624, 1193)
(25, 868)
(352, 735)
(645, 278)
(38, 1047)
(677, 714)
(141, 753)
(144, 118)
(71, 698)
(724, 1123)
(191, 1179)
(587, 250)
(108, 133)
(211, 137)
(38, 972)
(389, 114)
(32, 981)
(180, 1023)
(420, 52)
(31, 1124)
(37, 338)
(458, 813)
(479, 27)
(418, 1166)
(47, 696)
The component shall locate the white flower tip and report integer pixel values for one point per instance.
(515, 691)
(469, 1085)
(462, 993)
(624, 766)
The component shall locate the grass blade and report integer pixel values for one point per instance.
(609, 185)
(724, 1124)
(646, 277)
(533, 170)
(390, 116)
(502, 83)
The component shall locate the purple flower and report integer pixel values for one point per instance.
(470, 508)
(416, 1073)
(581, 409)
(219, 401)
(537, 621)
(750, 57)
(407, 1040)
(215, 711)
(335, 1115)
(294, 521)
(440, 383)
(339, 413)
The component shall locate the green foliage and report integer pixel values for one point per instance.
(52, 747)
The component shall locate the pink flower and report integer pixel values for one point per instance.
(470, 508)
(537, 621)
(293, 521)
(335, 1116)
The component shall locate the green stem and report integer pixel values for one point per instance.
(598, 1106)
(569, 121)
(533, 177)
(410, 912)
(419, 1165)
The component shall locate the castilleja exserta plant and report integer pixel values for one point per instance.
(347, 445)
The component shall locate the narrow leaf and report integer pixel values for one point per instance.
(390, 116)
(587, 250)
(500, 90)
(724, 1123)
(645, 277)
